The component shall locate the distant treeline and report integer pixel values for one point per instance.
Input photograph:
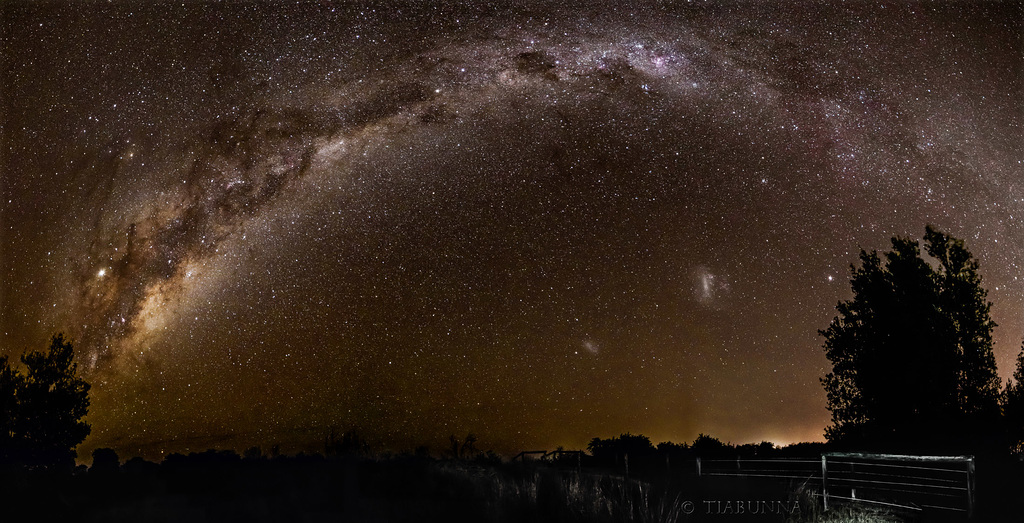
(635, 454)
(637, 446)
(606, 453)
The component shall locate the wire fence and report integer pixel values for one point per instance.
(802, 469)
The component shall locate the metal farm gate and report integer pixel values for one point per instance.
(940, 483)
(910, 483)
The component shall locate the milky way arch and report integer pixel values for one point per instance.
(254, 151)
(539, 224)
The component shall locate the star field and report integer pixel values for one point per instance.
(534, 223)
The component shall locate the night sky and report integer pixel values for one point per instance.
(534, 223)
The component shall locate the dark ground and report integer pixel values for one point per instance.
(218, 486)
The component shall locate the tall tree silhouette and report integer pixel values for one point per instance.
(43, 410)
(1013, 405)
(912, 351)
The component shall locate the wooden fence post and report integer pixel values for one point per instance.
(698, 466)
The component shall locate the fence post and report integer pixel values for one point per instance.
(824, 482)
(970, 488)
(698, 466)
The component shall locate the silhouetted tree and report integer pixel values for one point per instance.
(349, 443)
(613, 451)
(469, 446)
(673, 454)
(52, 404)
(912, 351)
(253, 453)
(140, 467)
(756, 450)
(104, 461)
(43, 410)
(803, 450)
(453, 443)
(708, 446)
(1013, 405)
(465, 449)
(11, 381)
(673, 449)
